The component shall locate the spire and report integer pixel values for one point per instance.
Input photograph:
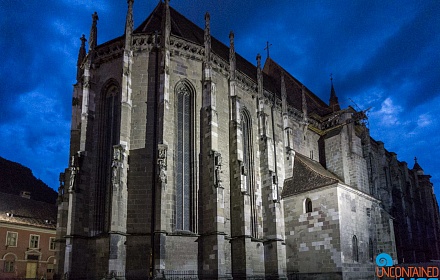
(207, 41)
(283, 94)
(259, 76)
(93, 32)
(81, 56)
(258, 63)
(334, 103)
(417, 167)
(304, 101)
(283, 86)
(207, 38)
(166, 24)
(129, 25)
(232, 66)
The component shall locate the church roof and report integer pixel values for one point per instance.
(23, 211)
(294, 89)
(307, 175)
(184, 28)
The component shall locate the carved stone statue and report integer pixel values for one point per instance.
(117, 164)
(217, 169)
(73, 172)
(162, 164)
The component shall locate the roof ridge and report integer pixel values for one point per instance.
(315, 98)
(319, 173)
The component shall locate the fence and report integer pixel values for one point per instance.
(181, 275)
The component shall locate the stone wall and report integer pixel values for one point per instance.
(313, 239)
(124, 216)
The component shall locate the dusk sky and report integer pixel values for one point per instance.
(383, 54)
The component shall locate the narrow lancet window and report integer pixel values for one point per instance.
(109, 126)
(308, 205)
(370, 250)
(184, 180)
(247, 168)
(355, 249)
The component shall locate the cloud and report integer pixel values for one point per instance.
(388, 115)
(383, 54)
(89, 5)
(400, 59)
(40, 135)
(424, 120)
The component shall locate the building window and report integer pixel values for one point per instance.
(108, 129)
(368, 212)
(184, 156)
(308, 205)
(52, 244)
(355, 249)
(11, 239)
(9, 266)
(370, 249)
(248, 167)
(34, 241)
(49, 268)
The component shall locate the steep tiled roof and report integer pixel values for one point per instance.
(18, 210)
(184, 28)
(307, 175)
(294, 90)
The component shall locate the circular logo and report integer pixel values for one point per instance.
(383, 259)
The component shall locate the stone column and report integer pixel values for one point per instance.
(273, 219)
(160, 213)
(211, 193)
(71, 215)
(119, 192)
(117, 233)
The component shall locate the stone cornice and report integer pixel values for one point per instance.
(109, 51)
(143, 42)
(182, 47)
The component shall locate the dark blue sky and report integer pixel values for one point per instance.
(383, 54)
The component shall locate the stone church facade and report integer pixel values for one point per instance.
(186, 159)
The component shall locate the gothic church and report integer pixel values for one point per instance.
(188, 161)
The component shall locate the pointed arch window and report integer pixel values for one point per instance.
(308, 206)
(248, 167)
(109, 126)
(355, 249)
(370, 250)
(184, 156)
